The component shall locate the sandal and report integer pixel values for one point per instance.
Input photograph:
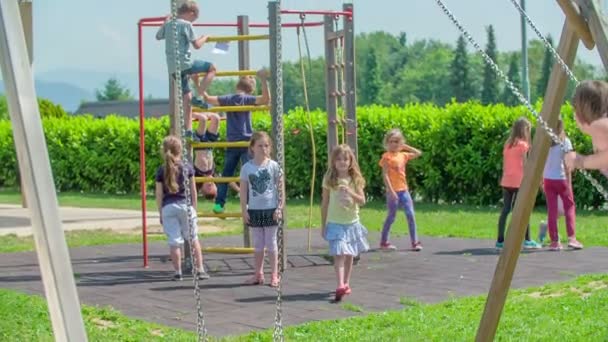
(255, 280)
(275, 281)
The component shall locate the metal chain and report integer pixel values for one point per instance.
(200, 321)
(518, 94)
(278, 123)
(548, 45)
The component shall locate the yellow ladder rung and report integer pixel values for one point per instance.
(220, 215)
(216, 179)
(228, 250)
(218, 109)
(237, 38)
(220, 144)
(232, 73)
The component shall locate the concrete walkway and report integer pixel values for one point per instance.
(113, 275)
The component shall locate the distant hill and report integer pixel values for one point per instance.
(67, 95)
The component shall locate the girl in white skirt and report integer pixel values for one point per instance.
(343, 187)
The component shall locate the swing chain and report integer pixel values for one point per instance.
(518, 94)
(200, 322)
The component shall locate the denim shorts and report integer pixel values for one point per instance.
(175, 223)
(198, 66)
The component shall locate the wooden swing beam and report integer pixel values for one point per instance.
(575, 28)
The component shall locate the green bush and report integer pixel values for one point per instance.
(47, 109)
(461, 144)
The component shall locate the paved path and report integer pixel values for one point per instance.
(113, 275)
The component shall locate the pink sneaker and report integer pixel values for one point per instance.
(555, 246)
(340, 292)
(417, 246)
(574, 244)
(387, 246)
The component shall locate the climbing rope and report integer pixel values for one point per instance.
(200, 321)
(310, 129)
(517, 93)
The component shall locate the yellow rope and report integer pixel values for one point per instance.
(312, 139)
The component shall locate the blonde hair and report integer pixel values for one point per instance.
(246, 84)
(395, 132)
(331, 176)
(590, 100)
(519, 131)
(257, 136)
(172, 154)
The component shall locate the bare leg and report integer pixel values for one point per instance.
(202, 122)
(348, 268)
(188, 112)
(202, 87)
(198, 255)
(176, 258)
(214, 123)
(339, 268)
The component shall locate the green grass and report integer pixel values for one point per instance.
(570, 311)
(432, 220)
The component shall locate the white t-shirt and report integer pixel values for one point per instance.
(262, 183)
(554, 167)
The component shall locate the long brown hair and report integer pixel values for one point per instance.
(255, 137)
(559, 130)
(172, 156)
(519, 131)
(590, 100)
(331, 176)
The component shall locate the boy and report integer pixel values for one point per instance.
(186, 14)
(238, 126)
(590, 102)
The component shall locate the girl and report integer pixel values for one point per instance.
(393, 164)
(260, 205)
(173, 206)
(557, 183)
(343, 193)
(514, 154)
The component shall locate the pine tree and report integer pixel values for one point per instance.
(548, 60)
(460, 77)
(489, 94)
(508, 98)
(113, 91)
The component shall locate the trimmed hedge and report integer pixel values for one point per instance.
(461, 163)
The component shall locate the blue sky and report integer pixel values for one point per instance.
(101, 36)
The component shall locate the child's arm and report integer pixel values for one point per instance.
(414, 152)
(595, 161)
(212, 100)
(199, 42)
(387, 182)
(160, 34)
(324, 206)
(263, 99)
(243, 185)
(158, 194)
(193, 195)
(357, 195)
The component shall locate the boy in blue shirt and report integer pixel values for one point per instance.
(238, 126)
(186, 14)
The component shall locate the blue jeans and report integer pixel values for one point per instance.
(231, 161)
(404, 201)
(197, 67)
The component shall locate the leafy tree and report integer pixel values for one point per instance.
(373, 82)
(508, 98)
(489, 94)
(541, 85)
(113, 91)
(461, 83)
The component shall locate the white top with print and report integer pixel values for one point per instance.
(262, 184)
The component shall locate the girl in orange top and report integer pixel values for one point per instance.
(393, 164)
(514, 154)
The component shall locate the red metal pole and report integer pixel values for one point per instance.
(142, 145)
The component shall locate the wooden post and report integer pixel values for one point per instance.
(25, 10)
(554, 96)
(598, 26)
(244, 62)
(330, 85)
(350, 79)
(572, 12)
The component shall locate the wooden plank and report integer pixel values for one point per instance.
(331, 84)
(572, 12)
(507, 261)
(350, 84)
(592, 10)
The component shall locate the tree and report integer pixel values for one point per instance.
(113, 91)
(508, 98)
(373, 82)
(460, 74)
(489, 94)
(548, 59)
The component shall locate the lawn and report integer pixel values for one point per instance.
(569, 311)
(432, 220)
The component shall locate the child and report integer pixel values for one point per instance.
(173, 206)
(393, 164)
(260, 205)
(514, 154)
(186, 14)
(556, 183)
(590, 102)
(343, 187)
(238, 126)
(204, 165)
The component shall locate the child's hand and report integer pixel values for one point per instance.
(392, 196)
(204, 38)
(167, 17)
(569, 160)
(263, 74)
(323, 232)
(245, 217)
(277, 215)
(205, 96)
